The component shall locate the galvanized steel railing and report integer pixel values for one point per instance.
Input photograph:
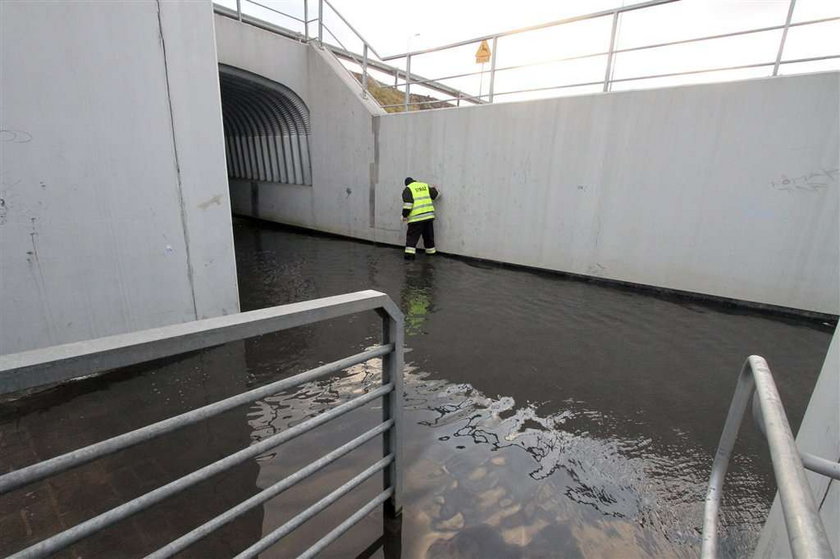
(39, 367)
(368, 57)
(804, 526)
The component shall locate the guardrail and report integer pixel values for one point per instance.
(365, 60)
(805, 528)
(54, 364)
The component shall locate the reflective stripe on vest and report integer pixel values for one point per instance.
(423, 208)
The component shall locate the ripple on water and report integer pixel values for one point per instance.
(474, 462)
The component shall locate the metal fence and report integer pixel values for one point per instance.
(404, 78)
(44, 366)
(806, 532)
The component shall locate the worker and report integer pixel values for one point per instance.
(419, 211)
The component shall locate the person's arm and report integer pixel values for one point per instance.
(408, 202)
(434, 192)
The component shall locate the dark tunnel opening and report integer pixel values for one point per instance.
(267, 129)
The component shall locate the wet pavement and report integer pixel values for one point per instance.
(545, 417)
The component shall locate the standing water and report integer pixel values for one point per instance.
(544, 417)
(548, 416)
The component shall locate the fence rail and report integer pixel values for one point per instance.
(806, 532)
(369, 58)
(44, 366)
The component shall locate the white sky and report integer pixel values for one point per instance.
(395, 25)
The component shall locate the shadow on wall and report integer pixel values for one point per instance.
(266, 129)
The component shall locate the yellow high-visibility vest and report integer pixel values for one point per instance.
(422, 207)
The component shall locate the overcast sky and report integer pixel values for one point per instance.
(395, 26)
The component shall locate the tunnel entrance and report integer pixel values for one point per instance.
(266, 129)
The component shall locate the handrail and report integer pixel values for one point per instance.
(564, 21)
(805, 528)
(437, 85)
(353, 29)
(54, 364)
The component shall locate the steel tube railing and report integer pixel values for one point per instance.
(493, 50)
(407, 82)
(820, 465)
(392, 406)
(784, 37)
(353, 29)
(611, 54)
(321, 22)
(19, 371)
(669, 75)
(108, 518)
(298, 520)
(436, 81)
(276, 11)
(351, 521)
(115, 351)
(805, 529)
(269, 493)
(593, 15)
(809, 461)
(30, 474)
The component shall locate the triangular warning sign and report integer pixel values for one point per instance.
(482, 55)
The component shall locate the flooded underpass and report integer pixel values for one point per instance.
(544, 416)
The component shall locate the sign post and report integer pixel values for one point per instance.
(482, 56)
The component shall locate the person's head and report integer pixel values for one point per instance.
(408, 181)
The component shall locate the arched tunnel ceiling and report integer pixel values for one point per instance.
(266, 129)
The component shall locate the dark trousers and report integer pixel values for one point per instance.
(425, 229)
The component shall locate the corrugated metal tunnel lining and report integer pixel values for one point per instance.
(266, 129)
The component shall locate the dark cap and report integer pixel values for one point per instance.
(408, 181)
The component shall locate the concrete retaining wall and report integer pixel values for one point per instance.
(728, 190)
(342, 145)
(115, 212)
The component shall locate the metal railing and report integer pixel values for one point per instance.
(54, 364)
(806, 532)
(365, 61)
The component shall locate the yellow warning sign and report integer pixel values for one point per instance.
(482, 55)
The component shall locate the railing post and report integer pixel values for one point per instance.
(493, 66)
(364, 72)
(321, 22)
(784, 37)
(392, 371)
(239, 10)
(306, 19)
(407, 81)
(608, 74)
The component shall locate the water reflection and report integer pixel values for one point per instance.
(67, 417)
(477, 466)
(417, 295)
(544, 417)
(569, 418)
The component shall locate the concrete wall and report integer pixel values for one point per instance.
(725, 189)
(729, 190)
(115, 212)
(342, 144)
(819, 434)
